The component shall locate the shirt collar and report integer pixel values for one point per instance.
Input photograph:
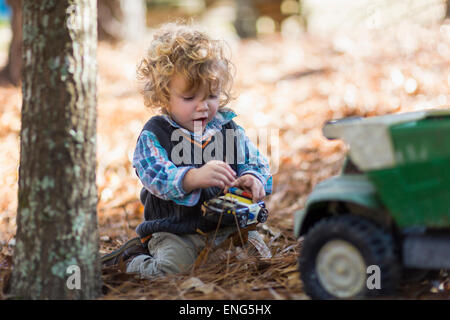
(223, 116)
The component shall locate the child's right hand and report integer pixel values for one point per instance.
(215, 173)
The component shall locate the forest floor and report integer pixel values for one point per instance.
(287, 88)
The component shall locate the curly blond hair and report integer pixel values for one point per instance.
(183, 49)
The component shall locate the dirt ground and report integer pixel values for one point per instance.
(291, 87)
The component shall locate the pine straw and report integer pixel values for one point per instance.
(235, 278)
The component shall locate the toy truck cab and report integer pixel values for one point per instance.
(235, 208)
(388, 209)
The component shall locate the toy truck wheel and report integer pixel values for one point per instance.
(262, 215)
(336, 254)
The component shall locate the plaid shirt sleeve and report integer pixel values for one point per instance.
(251, 161)
(158, 174)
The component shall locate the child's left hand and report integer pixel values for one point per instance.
(250, 183)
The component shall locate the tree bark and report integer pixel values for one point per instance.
(57, 220)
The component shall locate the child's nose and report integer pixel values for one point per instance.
(202, 106)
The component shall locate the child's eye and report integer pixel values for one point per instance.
(213, 96)
(188, 98)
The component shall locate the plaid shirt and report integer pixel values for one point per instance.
(164, 179)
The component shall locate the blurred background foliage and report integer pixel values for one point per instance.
(120, 20)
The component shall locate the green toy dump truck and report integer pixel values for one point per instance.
(386, 214)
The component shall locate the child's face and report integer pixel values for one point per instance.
(191, 109)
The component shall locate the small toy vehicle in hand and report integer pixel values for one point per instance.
(235, 208)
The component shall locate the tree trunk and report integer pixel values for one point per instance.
(57, 248)
(120, 20)
(447, 13)
(246, 16)
(12, 69)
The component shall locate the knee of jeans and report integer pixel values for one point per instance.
(175, 263)
(173, 257)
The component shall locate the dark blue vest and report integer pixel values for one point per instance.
(166, 215)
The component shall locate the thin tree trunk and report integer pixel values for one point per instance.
(56, 222)
(447, 13)
(246, 16)
(120, 20)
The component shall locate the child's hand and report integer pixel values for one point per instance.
(215, 173)
(250, 183)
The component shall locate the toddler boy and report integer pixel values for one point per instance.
(188, 154)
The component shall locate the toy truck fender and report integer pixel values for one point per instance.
(353, 190)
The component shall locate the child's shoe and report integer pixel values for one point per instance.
(125, 253)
